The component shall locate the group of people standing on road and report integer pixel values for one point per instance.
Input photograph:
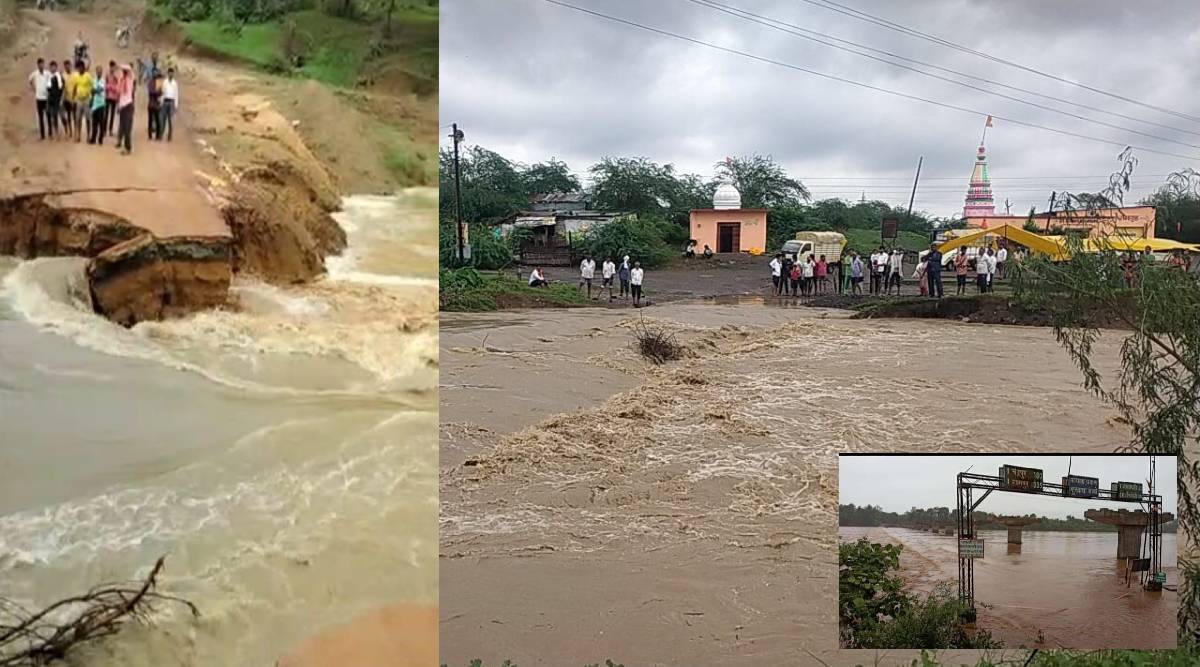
(628, 273)
(79, 101)
(804, 277)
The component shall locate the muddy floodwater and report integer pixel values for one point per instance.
(280, 453)
(1059, 590)
(595, 506)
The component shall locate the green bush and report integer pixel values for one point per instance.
(467, 289)
(875, 611)
(643, 240)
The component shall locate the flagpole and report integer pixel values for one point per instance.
(981, 139)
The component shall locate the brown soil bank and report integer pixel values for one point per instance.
(981, 309)
(133, 276)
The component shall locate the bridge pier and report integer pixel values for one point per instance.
(1015, 525)
(1130, 526)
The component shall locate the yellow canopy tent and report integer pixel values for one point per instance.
(1138, 244)
(1034, 242)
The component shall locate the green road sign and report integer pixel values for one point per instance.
(1161, 577)
(1127, 490)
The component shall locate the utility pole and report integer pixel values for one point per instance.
(1050, 211)
(1007, 206)
(457, 135)
(908, 218)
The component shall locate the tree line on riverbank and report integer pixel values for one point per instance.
(658, 196)
(866, 516)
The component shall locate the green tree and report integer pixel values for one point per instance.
(634, 185)
(1177, 207)
(762, 182)
(549, 177)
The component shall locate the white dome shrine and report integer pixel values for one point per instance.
(727, 197)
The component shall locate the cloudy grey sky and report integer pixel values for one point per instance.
(533, 80)
(897, 483)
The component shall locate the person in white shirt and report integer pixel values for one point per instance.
(981, 271)
(895, 267)
(879, 267)
(537, 278)
(587, 271)
(39, 83)
(170, 104)
(777, 272)
(1001, 259)
(991, 264)
(635, 278)
(807, 266)
(607, 271)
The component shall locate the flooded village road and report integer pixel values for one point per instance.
(595, 506)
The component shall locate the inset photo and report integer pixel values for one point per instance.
(1007, 551)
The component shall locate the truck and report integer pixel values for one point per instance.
(829, 244)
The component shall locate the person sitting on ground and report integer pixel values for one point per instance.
(776, 265)
(821, 273)
(587, 271)
(607, 271)
(537, 278)
(960, 269)
(708, 252)
(689, 251)
(635, 278)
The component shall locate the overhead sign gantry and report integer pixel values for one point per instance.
(1016, 479)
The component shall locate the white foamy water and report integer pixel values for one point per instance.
(281, 454)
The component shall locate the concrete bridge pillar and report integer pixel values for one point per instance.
(1130, 526)
(1015, 524)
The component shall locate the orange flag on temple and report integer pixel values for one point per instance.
(989, 122)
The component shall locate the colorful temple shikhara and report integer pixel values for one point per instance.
(979, 203)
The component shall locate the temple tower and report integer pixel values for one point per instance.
(979, 200)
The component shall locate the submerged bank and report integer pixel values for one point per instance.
(280, 453)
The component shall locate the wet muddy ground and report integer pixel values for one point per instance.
(595, 506)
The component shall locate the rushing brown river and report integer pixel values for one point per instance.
(596, 506)
(1060, 590)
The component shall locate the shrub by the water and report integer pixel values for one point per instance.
(875, 611)
(651, 242)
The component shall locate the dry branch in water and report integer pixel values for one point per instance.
(657, 344)
(35, 638)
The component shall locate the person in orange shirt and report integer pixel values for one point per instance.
(112, 93)
(960, 269)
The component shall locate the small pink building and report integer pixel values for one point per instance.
(727, 227)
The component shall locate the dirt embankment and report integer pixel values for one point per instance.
(238, 190)
(981, 309)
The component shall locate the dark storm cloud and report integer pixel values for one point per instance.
(533, 80)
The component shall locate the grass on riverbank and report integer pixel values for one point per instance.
(468, 290)
(338, 51)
